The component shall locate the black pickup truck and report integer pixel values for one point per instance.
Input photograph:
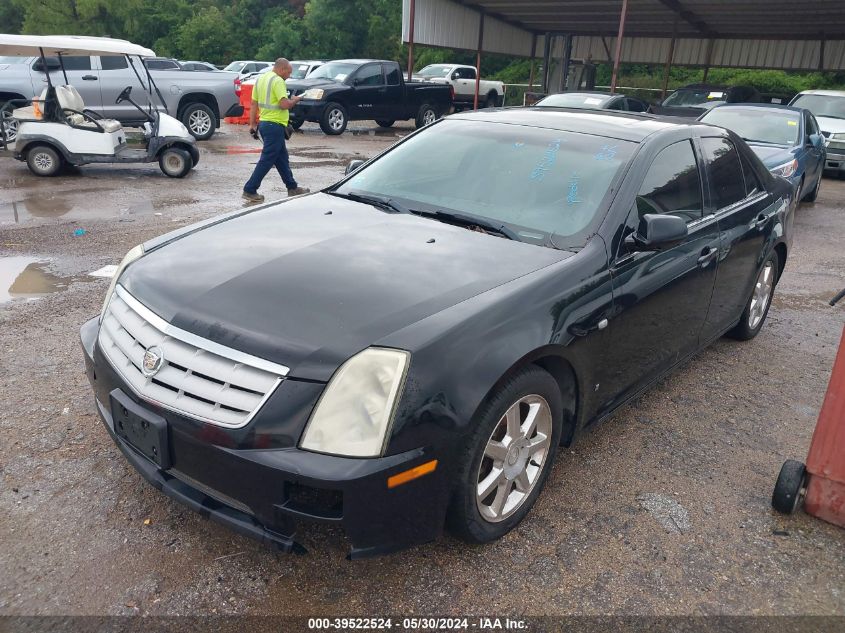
(365, 89)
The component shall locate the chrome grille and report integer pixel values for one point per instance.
(198, 377)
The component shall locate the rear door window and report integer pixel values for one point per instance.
(111, 62)
(369, 75)
(724, 171)
(672, 185)
(392, 74)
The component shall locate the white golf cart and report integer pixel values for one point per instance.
(55, 129)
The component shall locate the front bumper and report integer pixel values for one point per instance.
(308, 110)
(834, 162)
(268, 493)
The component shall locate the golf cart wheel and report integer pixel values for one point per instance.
(175, 162)
(200, 121)
(384, 123)
(44, 160)
(789, 489)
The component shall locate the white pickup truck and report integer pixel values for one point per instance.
(462, 78)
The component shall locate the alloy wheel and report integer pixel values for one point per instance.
(43, 161)
(199, 122)
(336, 119)
(10, 127)
(514, 458)
(429, 116)
(762, 295)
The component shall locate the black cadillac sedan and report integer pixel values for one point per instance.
(406, 349)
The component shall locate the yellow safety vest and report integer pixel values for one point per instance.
(268, 91)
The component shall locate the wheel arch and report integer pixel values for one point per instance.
(206, 98)
(551, 360)
(781, 250)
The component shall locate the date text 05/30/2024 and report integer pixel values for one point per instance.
(417, 624)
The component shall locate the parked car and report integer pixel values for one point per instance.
(247, 68)
(300, 70)
(593, 101)
(787, 140)
(828, 106)
(409, 346)
(162, 63)
(693, 100)
(462, 78)
(194, 65)
(365, 89)
(199, 99)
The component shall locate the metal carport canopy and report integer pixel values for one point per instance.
(777, 34)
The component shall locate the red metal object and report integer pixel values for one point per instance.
(618, 56)
(825, 496)
(245, 96)
(413, 16)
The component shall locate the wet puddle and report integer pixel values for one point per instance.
(28, 278)
(57, 206)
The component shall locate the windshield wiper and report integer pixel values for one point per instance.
(387, 204)
(469, 220)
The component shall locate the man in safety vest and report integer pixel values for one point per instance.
(270, 99)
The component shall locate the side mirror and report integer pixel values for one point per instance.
(52, 64)
(356, 81)
(456, 75)
(355, 164)
(658, 232)
(816, 140)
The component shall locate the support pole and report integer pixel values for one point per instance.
(708, 60)
(567, 57)
(669, 57)
(478, 57)
(411, 40)
(533, 59)
(821, 53)
(547, 57)
(619, 37)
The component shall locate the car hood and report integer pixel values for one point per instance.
(310, 282)
(831, 125)
(771, 155)
(308, 83)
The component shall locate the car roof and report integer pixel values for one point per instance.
(824, 93)
(625, 126)
(307, 61)
(758, 106)
(355, 61)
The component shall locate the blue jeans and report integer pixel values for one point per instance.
(274, 154)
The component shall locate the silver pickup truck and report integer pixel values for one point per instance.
(198, 99)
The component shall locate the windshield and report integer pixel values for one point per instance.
(776, 127)
(822, 105)
(546, 186)
(334, 70)
(694, 97)
(588, 102)
(300, 71)
(435, 70)
(235, 66)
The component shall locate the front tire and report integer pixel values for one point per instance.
(44, 160)
(811, 197)
(175, 162)
(757, 308)
(426, 115)
(200, 121)
(507, 458)
(334, 119)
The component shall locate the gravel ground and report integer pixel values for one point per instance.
(663, 509)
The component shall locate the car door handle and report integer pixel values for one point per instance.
(761, 222)
(707, 256)
(580, 329)
(89, 77)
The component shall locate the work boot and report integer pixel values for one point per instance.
(298, 191)
(253, 197)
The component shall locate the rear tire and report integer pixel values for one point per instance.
(10, 127)
(44, 160)
(334, 119)
(787, 494)
(757, 308)
(175, 162)
(200, 121)
(426, 115)
(492, 101)
(504, 464)
(384, 123)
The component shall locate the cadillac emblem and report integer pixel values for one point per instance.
(153, 360)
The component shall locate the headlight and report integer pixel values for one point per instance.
(130, 257)
(313, 93)
(353, 416)
(785, 170)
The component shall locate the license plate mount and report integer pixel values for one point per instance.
(142, 429)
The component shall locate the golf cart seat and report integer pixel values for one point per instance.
(70, 99)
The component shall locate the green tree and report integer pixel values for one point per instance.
(208, 35)
(282, 37)
(334, 28)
